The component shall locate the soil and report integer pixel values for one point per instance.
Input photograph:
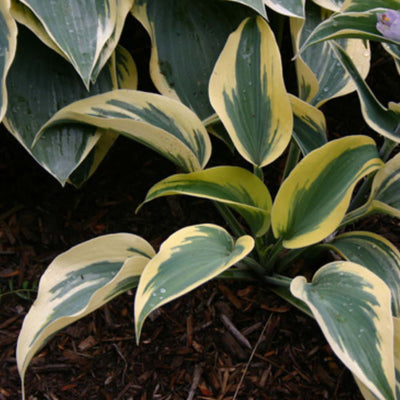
(190, 348)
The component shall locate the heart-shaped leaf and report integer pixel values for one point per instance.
(186, 260)
(352, 307)
(78, 282)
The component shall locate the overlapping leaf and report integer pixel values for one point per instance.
(8, 44)
(291, 8)
(375, 253)
(187, 37)
(313, 200)
(385, 193)
(186, 260)
(352, 306)
(39, 84)
(78, 282)
(238, 188)
(127, 78)
(309, 125)
(321, 76)
(85, 32)
(248, 93)
(382, 120)
(159, 122)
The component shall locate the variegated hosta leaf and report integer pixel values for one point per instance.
(238, 188)
(321, 76)
(360, 25)
(39, 83)
(375, 253)
(126, 77)
(291, 8)
(309, 125)
(384, 121)
(159, 122)
(78, 282)
(313, 200)
(333, 5)
(8, 44)
(385, 193)
(86, 32)
(365, 5)
(257, 5)
(248, 93)
(352, 307)
(186, 260)
(187, 37)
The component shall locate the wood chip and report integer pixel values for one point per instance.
(87, 343)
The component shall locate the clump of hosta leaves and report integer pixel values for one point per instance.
(217, 66)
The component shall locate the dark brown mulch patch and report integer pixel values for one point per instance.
(188, 349)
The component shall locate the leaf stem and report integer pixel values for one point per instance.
(272, 255)
(289, 258)
(259, 270)
(230, 219)
(387, 148)
(292, 158)
(258, 172)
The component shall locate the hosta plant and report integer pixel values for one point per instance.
(68, 91)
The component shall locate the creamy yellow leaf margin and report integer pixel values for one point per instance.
(313, 200)
(8, 46)
(352, 307)
(333, 5)
(186, 260)
(163, 124)
(247, 91)
(70, 289)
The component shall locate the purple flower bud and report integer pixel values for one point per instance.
(389, 24)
